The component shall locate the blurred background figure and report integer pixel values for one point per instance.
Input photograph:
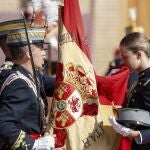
(27, 9)
(134, 27)
(115, 63)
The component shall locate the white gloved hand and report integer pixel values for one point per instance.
(44, 143)
(118, 127)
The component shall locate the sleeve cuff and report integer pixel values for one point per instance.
(24, 141)
(139, 139)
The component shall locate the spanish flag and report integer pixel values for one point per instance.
(75, 95)
(76, 111)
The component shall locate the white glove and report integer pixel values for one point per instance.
(44, 143)
(118, 127)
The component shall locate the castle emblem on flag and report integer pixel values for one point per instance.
(67, 105)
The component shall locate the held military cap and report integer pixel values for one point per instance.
(134, 118)
(7, 26)
(18, 37)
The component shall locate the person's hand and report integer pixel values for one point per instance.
(44, 143)
(118, 127)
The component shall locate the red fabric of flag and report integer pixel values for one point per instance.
(72, 20)
(112, 88)
(75, 93)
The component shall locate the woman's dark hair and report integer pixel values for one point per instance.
(136, 41)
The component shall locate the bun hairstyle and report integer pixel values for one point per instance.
(136, 41)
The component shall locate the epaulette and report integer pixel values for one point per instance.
(12, 77)
(6, 66)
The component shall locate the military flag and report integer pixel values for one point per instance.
(75, 95)
(76, 111)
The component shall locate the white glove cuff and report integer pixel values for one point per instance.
(139, 140)
(118, 127)
(35, 146)
(44, 143)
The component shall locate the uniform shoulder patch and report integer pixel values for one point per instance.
(15, 76)
(6, 65)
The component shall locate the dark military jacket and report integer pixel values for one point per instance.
(20, 113)
(140, 98)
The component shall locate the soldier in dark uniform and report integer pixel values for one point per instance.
(22, 109)
(135, 51)
(4, 29)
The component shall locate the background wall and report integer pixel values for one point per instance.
(143, 13)
(9, 9)
(107, 20)
(104, 22)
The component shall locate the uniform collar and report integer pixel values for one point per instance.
(23, 71)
